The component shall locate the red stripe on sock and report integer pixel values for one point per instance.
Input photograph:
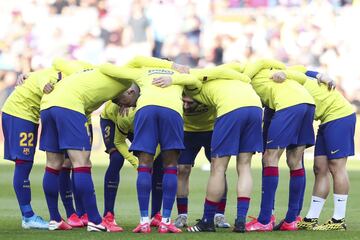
(211, 202)
(66, 169)
(221, 206)
(182, 208)
(243, 199)
(19, 161)
(144, 169)
(297, 173)
(82, 170)
(51, 170)
(170, 171)
(271, 171)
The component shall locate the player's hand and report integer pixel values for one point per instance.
(21, 79)
(133, 161)
(162, 82)
(326, 79)
(124, 111)
(278, 77)
(180, 68)
(48, 88)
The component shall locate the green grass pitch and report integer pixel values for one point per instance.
(127, 208)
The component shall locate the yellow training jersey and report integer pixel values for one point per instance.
(24, 101)
(330, 105)
(278, 96)
(85, 91)
(110, 111)
(169, 97)
(200, 119)
(228, 91)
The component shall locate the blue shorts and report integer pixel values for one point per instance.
(91, 131)
(155, 125)
(20, 138)
(194, 141)
(335, 139)
(64, 129)
(268, 115)
(238, 131)
(291, 127)
(108, 133)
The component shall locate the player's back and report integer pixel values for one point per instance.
(200, 119)
(228, 95)
(330, 105)
(84, 91)
(169, 97)
(279, 95)
(24, 101)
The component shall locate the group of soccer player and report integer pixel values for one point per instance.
(169, 112)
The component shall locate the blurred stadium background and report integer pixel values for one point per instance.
(320, 34)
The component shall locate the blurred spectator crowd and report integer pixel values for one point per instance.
(320, 34)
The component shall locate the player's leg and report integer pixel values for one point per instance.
(112, 175)
(321, 186)
(51, 186)
(66, 194)
(244, 189)
(338, 149)
(171, 135)
(144, 145)
(74, 136)
(20, 137)
(169, 185)
(186, 162)
(49, 142)
(156, 191)
(250, 143)
(297, 182)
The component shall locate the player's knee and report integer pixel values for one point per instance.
(336, 167)
(67, 163)
(271, 158)
(184, 171)
(320, 170)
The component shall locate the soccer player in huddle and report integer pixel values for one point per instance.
(65, 128)
(198, 128)
(237, 131)
(291, 129)
(337, 118)
(20, 119)
(116, 128)
(158, 120)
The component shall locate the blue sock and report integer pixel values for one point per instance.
(242, 207)
(270, 182)
(169, 190)
(21, 184)
(301, 202)
(157, 191)
(209, 210)
(85, 188)
(112, 180)
(296, 186)
(51, 190)
(80, 210)
(182, 205)
(66, 191)
(143, 186)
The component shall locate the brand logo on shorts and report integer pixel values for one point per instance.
(270, 141)
(26, 151)
(333, 152)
